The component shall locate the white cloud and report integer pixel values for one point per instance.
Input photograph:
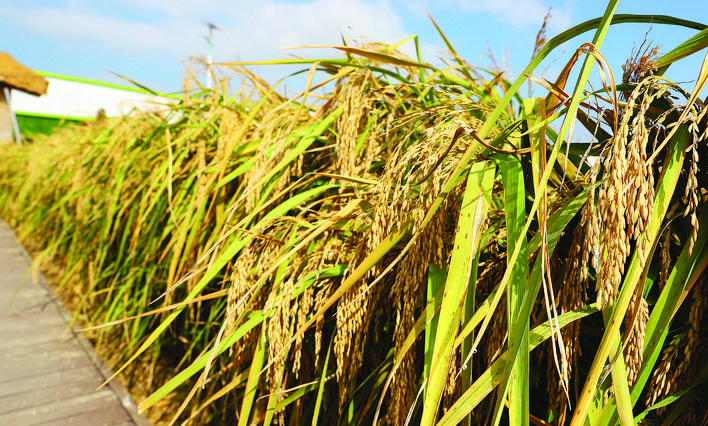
(84, 27)
(265, 26)
(251, 30)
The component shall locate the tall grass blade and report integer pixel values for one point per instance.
(518, 374)
(475, 203)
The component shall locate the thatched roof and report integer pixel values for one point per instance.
(19, 77)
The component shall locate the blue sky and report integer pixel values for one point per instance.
(150, 40)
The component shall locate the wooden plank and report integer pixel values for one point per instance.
(15, 275)
(36, 339)
(97, 403)
(112, 417)
(49, 389)
(15, 264)
(47, 344)
(38, 383)
(17, 368)
(28, 324)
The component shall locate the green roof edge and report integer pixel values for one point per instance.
(53, 116)
(104, 84)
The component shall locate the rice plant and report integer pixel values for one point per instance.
(420, 245)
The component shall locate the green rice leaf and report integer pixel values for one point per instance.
(475, 203)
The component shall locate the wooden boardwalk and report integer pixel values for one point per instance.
(48, 373)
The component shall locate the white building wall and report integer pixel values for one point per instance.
(66, 98)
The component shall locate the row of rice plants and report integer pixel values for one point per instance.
(380, 254)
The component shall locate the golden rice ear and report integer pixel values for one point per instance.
(627, 193)
(320, 298)
(408, 293)
(280, 329)
(636, 325)
(661, 380)
(692, 187)
(349, 146)
(612, 208)
(350, 337)
(684, 354)
(695, 350)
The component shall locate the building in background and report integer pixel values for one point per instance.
(73, 100)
